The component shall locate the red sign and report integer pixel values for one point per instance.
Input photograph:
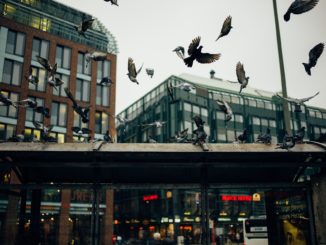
(241, 198)
(150, 197)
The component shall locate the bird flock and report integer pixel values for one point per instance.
(194, 54)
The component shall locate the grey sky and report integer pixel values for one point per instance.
(148, 31)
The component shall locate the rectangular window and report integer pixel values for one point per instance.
(187, 107)
(60, 90)
(7, 131)
(103, 69)
(256, 121)
(101, 122)
(82, 66)
(78, 121)
(12, 72)
(31, 115)
(264, 122)
(59, 114)
(221, 135)
(102, 95)
(63, 56)
(220, 115)
(272, 123)
(82, 90)
(15, 43)
(42, 79)
(9, 111)
(238, 118)
(61, 138)
(40, 48)
(252, 103)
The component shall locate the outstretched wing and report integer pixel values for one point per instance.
(302, 6)
(87, 24)
(287, 99)
(44, 62)
(193, 45)
(206, 58)
(37, 125)
(70, 96)
(75, 129)
(227, 24)
(241, 74)
(309, 98)
(316, 51)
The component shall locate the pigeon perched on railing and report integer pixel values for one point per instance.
(17, 137)
(113, 2)
(297, 102)
(299, 135)
(241, 75)
(180, 137)
(194, 52)
(96, 56)
(31, 78)
(150, 72)
(45, 132)
(265, 138)
(132, 72)
(299, 7)
(180, 51)
(151, 140)
(243, 137)
(106, 81)
(226, 28)
(84, 26)
(184, 86)
(6, 101)
(107, 137)
(288, 142)
(83, 112)
(314, 55)
(226, 108)
(199, 132)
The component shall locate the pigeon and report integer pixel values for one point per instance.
(226, 108)
(80, 131)
(31, 78)
(150, 72)
(297, 102)
(45, 63)
(199, 132)
(27, 103)
(157, 124)
(82, 28)
(265, 138)
(181, 137)
(299, 135)
(151, 140)
(42, 110)
(96, 56)
(113, 2)
(299, 7)
(314, 55)
(180, 51)
(83, 112)
(241, 75)
(288, 142)
(55, 82)
(106, 81)
(226, 28)
(185, 87)
(198, 121)
(121, 120)
(45, 130)
(6, 102)
(18, 137)
(132, 73)
(170, 92)
(107, 137)
(243, 137)
(194, 52)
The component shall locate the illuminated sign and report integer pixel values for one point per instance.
(240, 198)
(150, 197)
(256, 197)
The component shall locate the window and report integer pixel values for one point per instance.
(252, 103)
(230, 135)
(204, 112)
(12, 72)
(9, 111)
(256, 121)
(42, 79)
(221, 135)
(31, 115)
(32, 133)
(82, 90)
(272, 123)
(81, 65)
(61, 138)
(264, 122)
(60, 90)
(63, 56)
(78, 121)
(195, 110)
(15, 43)
(7, 131)
(103, 69)
(268, 106)
(102, 95)
(59, 114)
(220, 115)
(101, 122)
(260, 103)
(312, 113)
(187, 107)
(238, 118)
(40, 48)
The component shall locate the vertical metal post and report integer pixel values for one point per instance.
(94, 218)
(205, 238)
(286, 113)
(311, 216)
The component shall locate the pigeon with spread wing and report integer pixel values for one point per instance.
(314, 55)
(83, 112)
(226, 28)
(299, 7)
(132, 72)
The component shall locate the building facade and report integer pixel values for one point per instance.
(46, 29)
(253, 109)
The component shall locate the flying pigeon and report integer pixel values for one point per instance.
(27, 103)
(314, 55)
(121, 120)
(83, 112)
(150, 72)
(241, 75)
(199, 132)
(45, 63)
(80, 131)
(297, 102)
(5, 101)
(113, 2)
(299, 135)
(194, 52)
(226, 108)
(265, 138)
(132, 73)
(185, 86)
(243, 137)
(180, 51)
(55, 82)
(106, 81)
(31, 78)
(157, 124)
(82, 28)
(226, 28)
(42, 110)
(45, 130)
(170, 92)
(299, 7)
(288, 142)
(96, 56)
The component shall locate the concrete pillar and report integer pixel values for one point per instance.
(108, 218)
(319, 204)
(64, 222)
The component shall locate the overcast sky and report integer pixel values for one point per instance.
(148, 31)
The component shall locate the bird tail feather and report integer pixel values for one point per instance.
(287, 16)
(307, 67)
